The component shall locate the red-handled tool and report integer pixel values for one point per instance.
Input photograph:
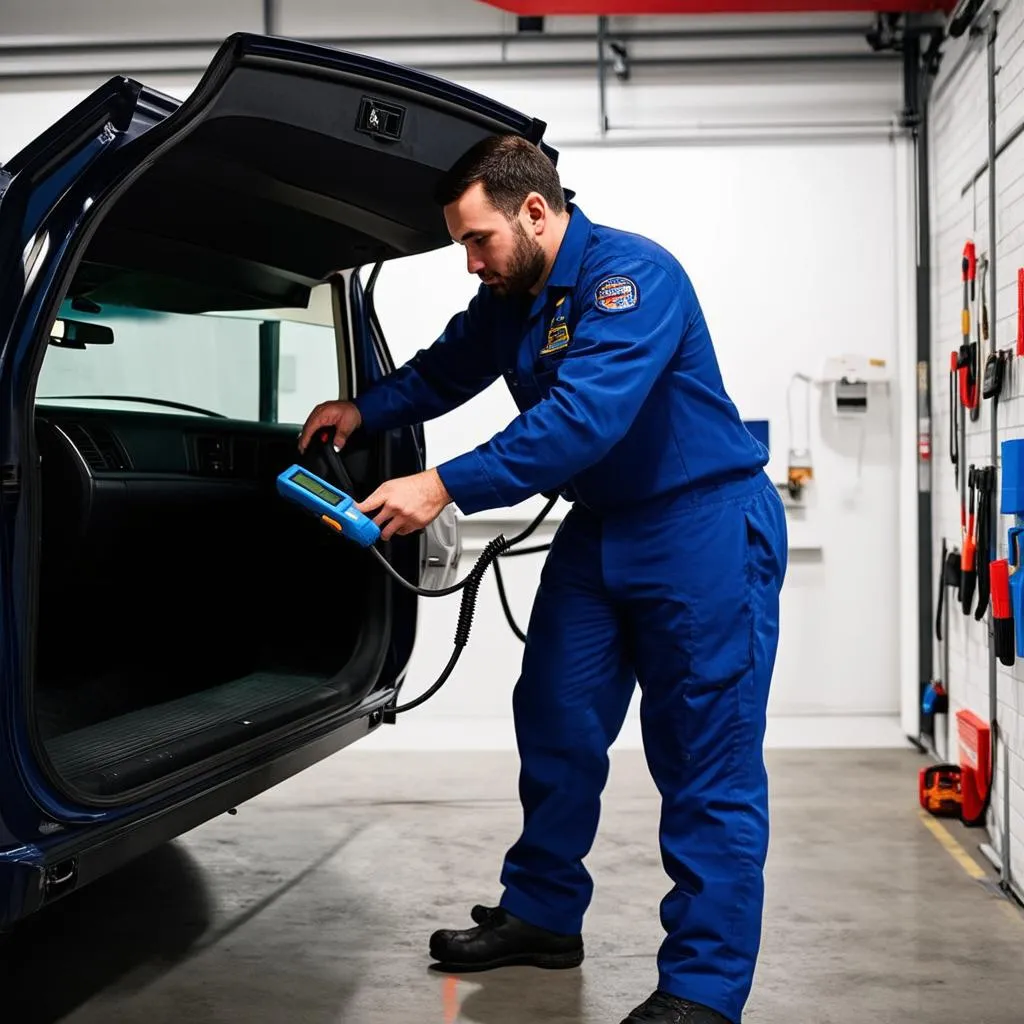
(969, 265)
(968, 357)
(968, 380)
(1002, 610)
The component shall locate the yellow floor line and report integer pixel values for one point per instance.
(951, 846)
(963, 858)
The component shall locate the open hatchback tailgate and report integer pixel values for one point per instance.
(288, 163)
(277, 133)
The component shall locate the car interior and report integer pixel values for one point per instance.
(183, 606)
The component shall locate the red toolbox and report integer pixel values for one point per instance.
(975, 766)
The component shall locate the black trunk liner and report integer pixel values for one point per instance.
(146, 741)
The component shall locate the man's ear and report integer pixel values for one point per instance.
(536, 212)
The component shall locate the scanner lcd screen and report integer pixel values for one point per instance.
(311, 485)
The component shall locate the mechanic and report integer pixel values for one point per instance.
(666, 570)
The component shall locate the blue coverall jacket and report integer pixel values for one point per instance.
(617, 344)
(666, 571)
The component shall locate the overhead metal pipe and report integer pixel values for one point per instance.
(637, 136)
(192, 56)
(455, 65)
(851, 125)
(706, 60)
(69, 46)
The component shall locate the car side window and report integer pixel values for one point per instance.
(307, 370)
(247, 366)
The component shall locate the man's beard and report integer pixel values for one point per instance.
(525, 268)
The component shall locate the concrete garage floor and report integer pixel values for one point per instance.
(315, 902)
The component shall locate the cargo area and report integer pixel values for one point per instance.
(183, 613)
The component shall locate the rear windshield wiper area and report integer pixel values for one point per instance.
(170, 404)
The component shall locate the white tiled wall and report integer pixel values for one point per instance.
(959, 147)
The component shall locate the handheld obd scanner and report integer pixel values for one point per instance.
(334, 507)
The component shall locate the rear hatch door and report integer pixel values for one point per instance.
(287, 163)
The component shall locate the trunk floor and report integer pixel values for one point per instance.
(131, 735)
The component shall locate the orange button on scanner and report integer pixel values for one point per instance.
(331, 522)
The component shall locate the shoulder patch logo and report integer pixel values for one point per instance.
(615, 294)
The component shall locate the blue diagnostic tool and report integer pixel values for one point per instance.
(333, 507)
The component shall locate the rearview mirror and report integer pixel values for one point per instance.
(76, 334)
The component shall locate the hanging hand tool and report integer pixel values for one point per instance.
(936, 696)
(951, 576)
(967, 359)
(1016, 587)
(969, 550)
(995, 374)
(954, 423)
(985, 483)
(1012, 504)
(1002, 611)
(940, 602)
(978, 347)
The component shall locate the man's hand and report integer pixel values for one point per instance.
(344, 416)
(406, 504)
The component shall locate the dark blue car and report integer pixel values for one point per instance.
(177, 280)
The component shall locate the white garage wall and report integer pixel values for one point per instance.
(695, 159)
(959, 147)
(754, 224)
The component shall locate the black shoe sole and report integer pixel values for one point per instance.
(545, 961)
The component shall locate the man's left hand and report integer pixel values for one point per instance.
(406, 504)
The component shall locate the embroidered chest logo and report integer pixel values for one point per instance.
(558, 332)
(615, 294)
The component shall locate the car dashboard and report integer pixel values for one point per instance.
(91, 459)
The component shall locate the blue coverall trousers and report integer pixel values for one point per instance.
(682, 596)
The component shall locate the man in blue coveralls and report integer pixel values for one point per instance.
(666, 570)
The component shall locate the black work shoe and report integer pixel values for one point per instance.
(502, 940)
(661, 1008)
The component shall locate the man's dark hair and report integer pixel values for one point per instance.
(509, 168)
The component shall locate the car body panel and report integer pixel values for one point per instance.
(33, 875)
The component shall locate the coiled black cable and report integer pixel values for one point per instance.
(532, 550)
(470, 585)
(474, 574)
